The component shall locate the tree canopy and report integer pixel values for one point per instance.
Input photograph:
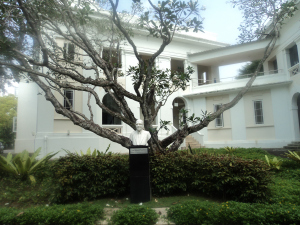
(29, 47)
(8, 111)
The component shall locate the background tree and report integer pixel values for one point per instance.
(8, 111)
(29, 46)
(248, 69)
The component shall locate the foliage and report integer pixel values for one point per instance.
(230, 149)
(262, 18)
(249, 69)
(95, 153)
(87, 178)
(196, 213)
(284, 191)
(134, 214)
(8, 111)
(22, 165)
(216, 175)
(85, 213)
(273, 163)
(294, 156)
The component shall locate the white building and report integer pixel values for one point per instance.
(267, 116)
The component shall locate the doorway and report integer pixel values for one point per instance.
(178, 118)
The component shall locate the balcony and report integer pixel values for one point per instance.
(237, 82)
(294, 70)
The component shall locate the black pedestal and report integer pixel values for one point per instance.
(140, 190)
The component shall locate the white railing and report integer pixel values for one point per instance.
(294, 69)
(199, 82)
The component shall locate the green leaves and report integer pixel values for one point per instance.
(22, 165)
(294, 156)
(87, 177)
(135, 214)
(217, 175)
(172, 16)
(273, 163)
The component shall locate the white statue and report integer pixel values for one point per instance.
(140, 136)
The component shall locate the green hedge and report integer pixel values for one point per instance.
(134, 215)
(194, 213)
(216, 175)
(53, 215)
(86, 177)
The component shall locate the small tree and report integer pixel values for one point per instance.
(28, 45)
(8, 111)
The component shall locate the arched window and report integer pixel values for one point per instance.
(112, 105)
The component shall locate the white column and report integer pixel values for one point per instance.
(215, 74)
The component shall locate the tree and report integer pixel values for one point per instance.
(28, 46)
(8, 111)
(249, 69)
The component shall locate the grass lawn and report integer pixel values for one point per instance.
(22, 194)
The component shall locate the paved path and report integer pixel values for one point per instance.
(277, 151)
(161, 220)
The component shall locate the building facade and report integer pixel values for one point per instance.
(267, 116)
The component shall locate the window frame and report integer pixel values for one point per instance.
(293, 51)
(71, 100)
(220, 117)
(257, 122)
(69, 56)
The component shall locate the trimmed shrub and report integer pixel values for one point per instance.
(194, 213)
(133, 215)
(53, 215)
(86, 177)
(216, 175)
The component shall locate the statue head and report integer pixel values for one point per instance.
(139, 125)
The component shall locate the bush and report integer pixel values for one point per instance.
(133, 215)
(53, 215)
(194, 213)
(86, 177)
(23, 165)
(217, 175)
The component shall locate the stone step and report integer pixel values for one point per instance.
(292, 147)
(296, 142)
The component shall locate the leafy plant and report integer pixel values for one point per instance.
(85, 213)
(273, 163)
(134, 214)
(230, 149)
(196, 213)
(89, 153)
(224, 176)
(294, 155)
(88, 178)
(22, 165)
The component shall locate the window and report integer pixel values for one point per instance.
(15, 124)
(68, 99)
(219, 119)
(293, 52)
(107, 118)
(258, 111)
(69, 51)
(112, 55)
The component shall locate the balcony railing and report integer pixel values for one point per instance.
(294, 69)
(199, 82)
